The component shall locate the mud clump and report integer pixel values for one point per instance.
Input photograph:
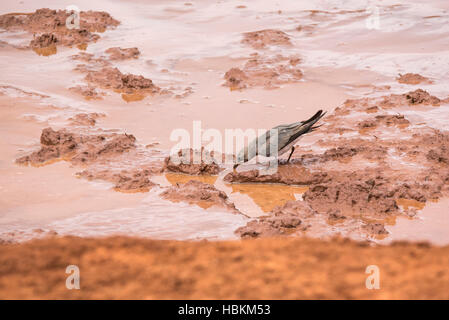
(135, 180)
(76, 148)
(368, 193)
(117, 53)
(111, 146)
(99, 73)
(439, 155)
(202, 194)
(286, 174)
(261, 39)
(51, 24)
(417, 97)
(134, 82)
(85, 119)
(192, 162)
(375, 229)
(267, 72)
(413, 79)
(44, 40)
(335, 215)
(281, 221)
(353, 194)
(91, 60)
(236, 78)
(373, 105)
(385, 120)
(112, 78)
(421, 97)
(88, 92)
(298, 218)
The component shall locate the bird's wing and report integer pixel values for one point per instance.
(287, 133)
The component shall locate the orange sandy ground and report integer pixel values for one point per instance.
(118, 268)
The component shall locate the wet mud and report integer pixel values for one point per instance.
(101, 73)
(135, 180)
(76, 148)
(361, 182)
(202, 194)
(193, 162)
(369, 162)
(48, 26)
(262, 71)
(413, 78)
(117, 53)
(263, 38)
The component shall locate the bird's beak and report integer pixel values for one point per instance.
(235, 167)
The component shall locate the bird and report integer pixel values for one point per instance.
(287, 136)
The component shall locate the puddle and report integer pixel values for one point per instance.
(174, 178)
(267, 196)
(47, 51)
(431, 224)
(252, 199)
(409, 203)
(131, 97)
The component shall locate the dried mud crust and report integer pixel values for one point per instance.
(364, 172)
(277, 269)
(49, 26)
(193, 162)
(203, 194)
(261, 39)
(262, 71)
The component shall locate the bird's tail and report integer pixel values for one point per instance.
(308, 125)
(300, 128)
(315, 118)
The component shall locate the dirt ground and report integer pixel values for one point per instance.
(123, 268)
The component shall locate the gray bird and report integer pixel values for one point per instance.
(287, 134)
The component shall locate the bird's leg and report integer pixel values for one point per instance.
(293, 149)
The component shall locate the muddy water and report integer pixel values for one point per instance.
(192, 45)
(430, 223)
